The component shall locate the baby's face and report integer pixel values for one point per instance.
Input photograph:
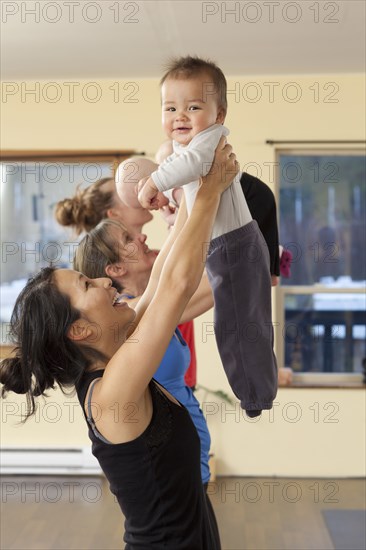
(188, 107)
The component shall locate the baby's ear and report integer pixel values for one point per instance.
(221, 114)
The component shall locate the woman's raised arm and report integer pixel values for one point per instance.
(146, 297)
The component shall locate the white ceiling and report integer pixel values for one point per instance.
(135, 38)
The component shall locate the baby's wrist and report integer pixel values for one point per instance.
(151, 184)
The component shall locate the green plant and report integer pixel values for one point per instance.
(219, 393)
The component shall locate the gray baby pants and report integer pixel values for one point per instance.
(238, 270)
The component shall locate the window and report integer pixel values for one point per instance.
(322, 222)
(31, 237)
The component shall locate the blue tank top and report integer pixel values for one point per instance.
(170, 374)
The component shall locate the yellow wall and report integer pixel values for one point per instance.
(328, 437)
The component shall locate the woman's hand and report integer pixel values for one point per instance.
(224, 168)
(285, 376)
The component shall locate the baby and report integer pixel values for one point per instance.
(194, 108)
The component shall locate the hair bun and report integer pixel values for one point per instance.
(87, 207)
(67, 211)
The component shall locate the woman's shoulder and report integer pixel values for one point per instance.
(117, 422)
(86, 379)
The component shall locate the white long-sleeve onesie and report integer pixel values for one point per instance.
(187, 164)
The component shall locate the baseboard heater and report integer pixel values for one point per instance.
(48, 461)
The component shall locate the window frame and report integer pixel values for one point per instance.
(310, 379)
(68, 155)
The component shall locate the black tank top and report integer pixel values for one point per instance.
(156, 478)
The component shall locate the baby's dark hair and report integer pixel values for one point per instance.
(86, 208)
(193, 66)
(43, 353)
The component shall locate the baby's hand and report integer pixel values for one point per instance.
(148, 194)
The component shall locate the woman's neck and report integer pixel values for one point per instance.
(137, 286)
(107, 347)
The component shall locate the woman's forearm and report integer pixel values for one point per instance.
(186, 260)
(201, 301)
(173, 234)
(182, 258)
(150, 290)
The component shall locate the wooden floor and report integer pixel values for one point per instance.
(77, 513)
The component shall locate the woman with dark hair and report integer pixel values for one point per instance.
(110, 250)
(73, 330)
